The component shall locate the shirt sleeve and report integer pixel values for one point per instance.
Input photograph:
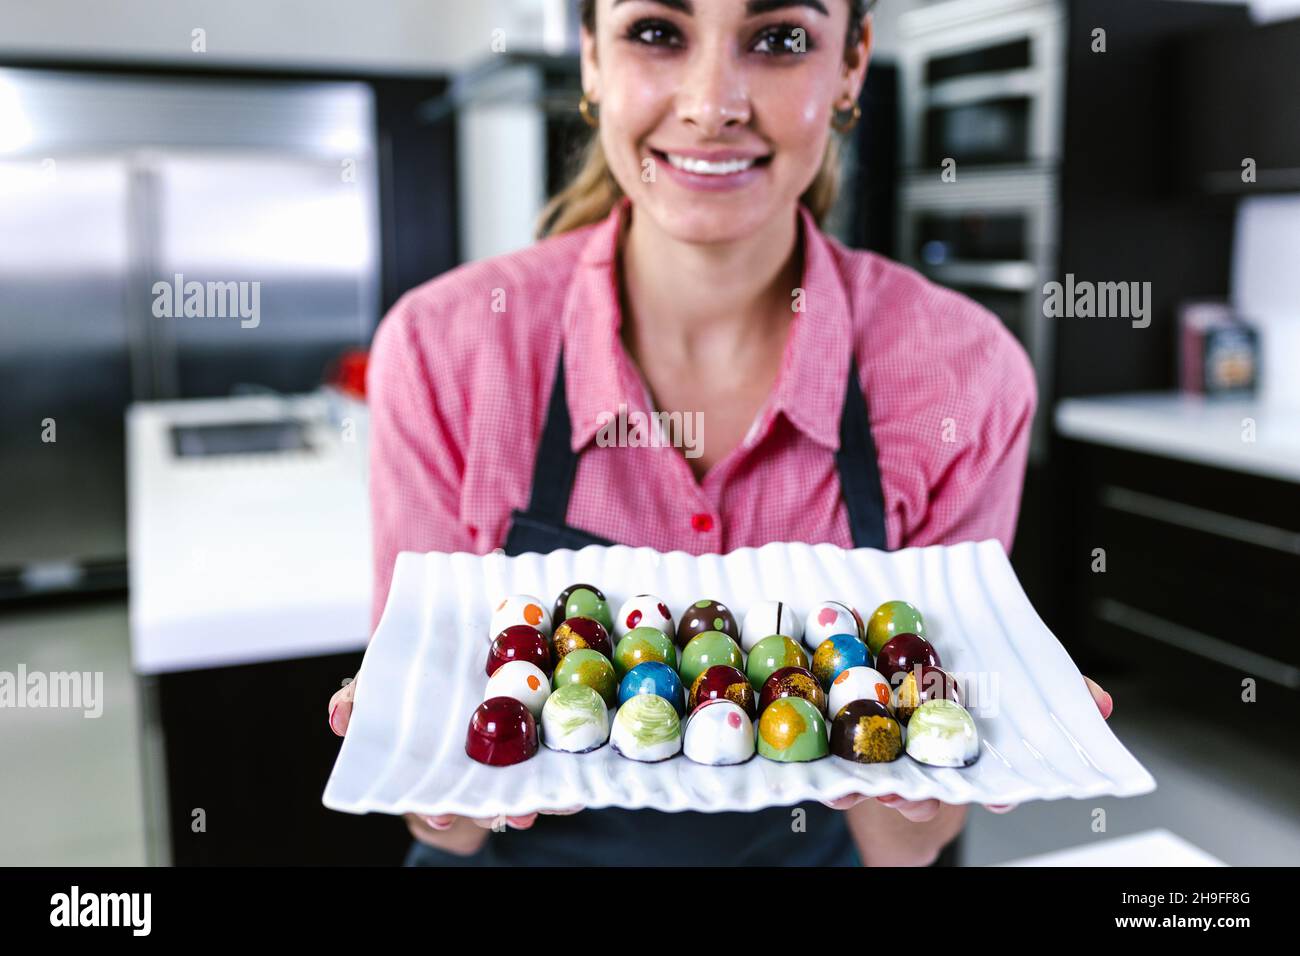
(416, 465)
(977, 496)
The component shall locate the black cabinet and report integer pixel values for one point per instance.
(1240, 99)
(247, 752)
(1123, 218)
(1199, 587)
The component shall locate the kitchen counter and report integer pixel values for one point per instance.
(250, 600)
(238, 558)
(1204, 431)
(1149, 848)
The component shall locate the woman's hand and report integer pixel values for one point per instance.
(915, 811)
(447, 832)
(1103, 700)
(447, 821)
(922, 811)
(341, 706)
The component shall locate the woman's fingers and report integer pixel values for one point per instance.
(846, 802)
(1104, 702)
(517, 823)
(527, 820)
(341, 707)
(918, 811)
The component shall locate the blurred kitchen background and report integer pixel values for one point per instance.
(184, 504)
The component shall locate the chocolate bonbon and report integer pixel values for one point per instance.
(520, 642)
(942, 734)
(575, 719)
(767, 618)
(501, 732)
(792, 682)
(792, 730)
(705, 617)
(864, 731)
(577, 633)
(643, 610)
(718, 734)
(646, 728)
(722, 681)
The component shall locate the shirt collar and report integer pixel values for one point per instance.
(600, 376)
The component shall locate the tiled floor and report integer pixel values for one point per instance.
(71, 786)
(71, 789)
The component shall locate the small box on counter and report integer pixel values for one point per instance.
(1218, 350)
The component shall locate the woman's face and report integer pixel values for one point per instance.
(714, 114)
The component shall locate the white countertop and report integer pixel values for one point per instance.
(1149, 848)
(1204, 431)
(242, 558)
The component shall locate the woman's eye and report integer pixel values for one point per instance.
(782, 40)
(654, 33)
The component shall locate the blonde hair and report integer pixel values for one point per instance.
(592, 193)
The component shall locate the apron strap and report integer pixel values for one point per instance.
(859, 468)
(556, 464)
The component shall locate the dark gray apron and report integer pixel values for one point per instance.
(778, 836)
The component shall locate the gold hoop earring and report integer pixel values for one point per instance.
(584, 107)
(841, 125)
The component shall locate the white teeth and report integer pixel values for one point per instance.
(707, 168)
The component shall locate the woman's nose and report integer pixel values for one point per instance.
(714, 94)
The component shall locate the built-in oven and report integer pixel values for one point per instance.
(981, 83)
(991, 236)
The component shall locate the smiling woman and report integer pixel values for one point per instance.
(779, 31)
(684, 271)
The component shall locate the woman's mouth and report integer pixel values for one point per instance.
(721, 171)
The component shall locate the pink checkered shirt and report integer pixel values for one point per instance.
(461, 371)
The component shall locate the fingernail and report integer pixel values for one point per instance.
(1109, 707)
(334, 710)
(438, 823)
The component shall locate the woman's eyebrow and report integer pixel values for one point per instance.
(753, 8)
(756, 7)
(683, 6)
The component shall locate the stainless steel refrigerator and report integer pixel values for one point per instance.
(135, 211)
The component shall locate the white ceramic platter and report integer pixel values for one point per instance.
(423, 675)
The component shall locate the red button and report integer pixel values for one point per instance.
(702, 522)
